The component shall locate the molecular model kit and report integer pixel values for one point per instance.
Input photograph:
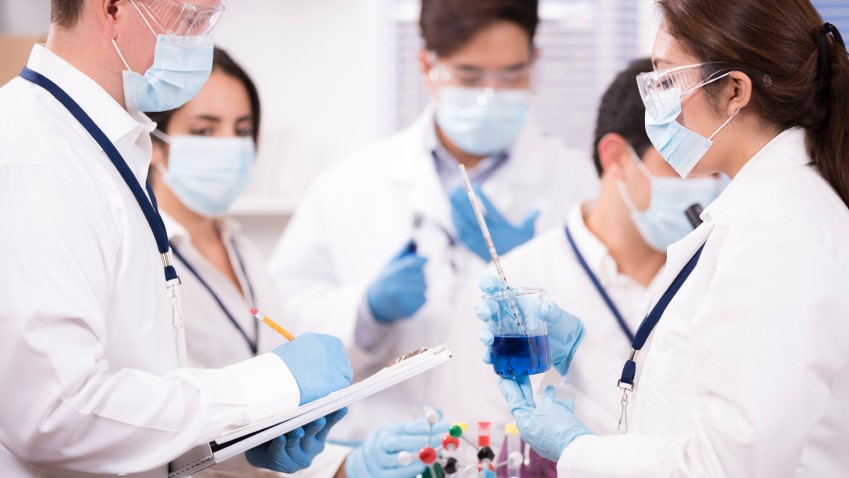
(444, 459)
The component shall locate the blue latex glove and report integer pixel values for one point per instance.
(565, 331)
(548, 428)
(378, 455)
(399, 290)
(505, 236)
(319, 364)
(295, 450)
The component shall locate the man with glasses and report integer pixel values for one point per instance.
(383, 245)
(92, 344)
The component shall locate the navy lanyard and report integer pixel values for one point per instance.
(629, 371)
(607, 300)
(148, 207)
(253, 344)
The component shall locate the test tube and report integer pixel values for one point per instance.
(514, 450)
(483, 433)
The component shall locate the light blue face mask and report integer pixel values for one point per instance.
(680, 147)
(665, 221)
(181, 66)
(482, 121)
(208, 174)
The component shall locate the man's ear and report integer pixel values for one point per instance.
(612, 152)
(108, 15)
(427, 62)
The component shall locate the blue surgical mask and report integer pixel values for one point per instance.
(665, 221)
(208, 174)
(181, 66)
(482, 121)
(680, 147)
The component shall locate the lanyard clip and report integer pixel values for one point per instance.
(623, 417)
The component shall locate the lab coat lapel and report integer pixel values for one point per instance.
(414, 176)
(679, 253)
(520, 177)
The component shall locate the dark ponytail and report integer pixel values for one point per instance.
(829, 140)
(778, 43)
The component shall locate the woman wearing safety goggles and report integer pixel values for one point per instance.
(741, 367)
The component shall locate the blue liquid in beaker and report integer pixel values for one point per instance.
(517, 355)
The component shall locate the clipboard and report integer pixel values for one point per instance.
(236, 442)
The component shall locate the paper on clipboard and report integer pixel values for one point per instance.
(240, 440)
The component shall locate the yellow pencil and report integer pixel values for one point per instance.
(264, 319)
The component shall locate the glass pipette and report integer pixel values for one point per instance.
(470, 191)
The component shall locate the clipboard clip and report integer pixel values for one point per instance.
(408, 356)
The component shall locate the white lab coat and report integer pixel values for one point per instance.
(359, 215)
(213, 341)
(88, 354)
(549, 262)
(747, 373)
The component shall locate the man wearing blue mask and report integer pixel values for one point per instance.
(92, 340)
(603, 264)
(383, 244)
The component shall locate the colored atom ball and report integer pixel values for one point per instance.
(427, 455)
(456, 431)
(450, 443)
(405, 458)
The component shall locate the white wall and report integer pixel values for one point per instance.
(315, 64)
(24, 17)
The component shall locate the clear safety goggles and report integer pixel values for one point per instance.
(184, 20)
(472, 77)
(664, 90)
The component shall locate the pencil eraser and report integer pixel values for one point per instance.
(254, 311)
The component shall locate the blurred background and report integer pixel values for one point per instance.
(335, 75)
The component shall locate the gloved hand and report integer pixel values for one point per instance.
(399, 290)
(319, 364)
(505, 236)
(548, 428)
(565, 331)
(295, 450)
(378, 455)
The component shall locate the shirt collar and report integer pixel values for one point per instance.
(595, 253)
(124, 129)
(446, 164)
(785, 151)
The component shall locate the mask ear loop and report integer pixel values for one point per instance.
(623, 191)
(723, 125)
(639, 161)
(161, 136)
(121, 55)
(167, 140)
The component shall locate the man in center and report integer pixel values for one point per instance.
(384, 245)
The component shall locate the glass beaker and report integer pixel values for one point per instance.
(521, 341)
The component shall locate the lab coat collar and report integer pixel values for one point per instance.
(598, 257)
(180, 236)
(787, 150)
(122, 128)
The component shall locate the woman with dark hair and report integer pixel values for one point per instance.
(203, 154)
(747, 370)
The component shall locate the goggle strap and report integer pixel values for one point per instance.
(144, 18)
